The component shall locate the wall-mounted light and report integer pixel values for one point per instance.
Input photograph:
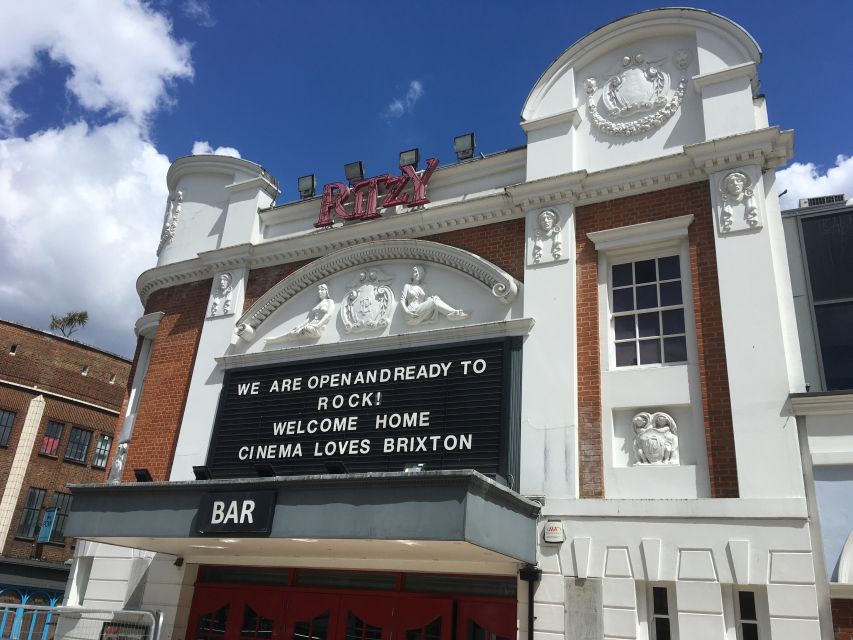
(202, 473)
(354, 171)
(307, 186)
(410, 158)
(464, 146)
(143, 475)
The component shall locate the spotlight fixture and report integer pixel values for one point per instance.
(410, 158)
(464, 146)
(354, 171)
(202, 473)
(265, 470)
(336, 467)
(143, 475)
(307, 186)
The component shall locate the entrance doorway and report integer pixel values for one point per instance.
(222, 611)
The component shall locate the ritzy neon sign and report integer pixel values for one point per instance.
(365, 194)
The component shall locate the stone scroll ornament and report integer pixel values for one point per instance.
(221, 303)
(738, 198)
(640, 87)
(369, 302)
(655, 438)
(548, 231)
(420, 308)
(170, 219)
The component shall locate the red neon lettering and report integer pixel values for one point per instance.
(331, 202)
(365, 209)
(420, 182)
(395, 194)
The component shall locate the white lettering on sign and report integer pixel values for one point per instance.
(237, 512)
(252, 388)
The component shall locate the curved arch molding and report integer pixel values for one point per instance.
(502, 285)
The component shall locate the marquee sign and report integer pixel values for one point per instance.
(408, 189)
(445, 408)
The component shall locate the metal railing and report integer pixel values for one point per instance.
(33, 622)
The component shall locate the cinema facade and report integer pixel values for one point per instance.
(538, 393)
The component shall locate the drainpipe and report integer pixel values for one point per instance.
(531, 575)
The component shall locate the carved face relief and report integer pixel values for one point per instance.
(220, 297)
(739, 207)
(640, 85)
(655, 438)
(548, 232)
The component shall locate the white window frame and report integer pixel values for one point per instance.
(731, 610)
(635, 243)
(646, 609)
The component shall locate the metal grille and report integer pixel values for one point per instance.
(27, 622)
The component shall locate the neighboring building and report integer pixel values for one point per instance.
(541, 390)
(819, 236)
(59, 403)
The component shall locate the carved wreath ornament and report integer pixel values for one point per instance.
(641, 86)
(655, 438)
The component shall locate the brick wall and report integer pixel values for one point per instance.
(501, 244)
(842, 618)
(658, 205)
(164, 394)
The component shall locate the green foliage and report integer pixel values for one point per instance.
(69, 323)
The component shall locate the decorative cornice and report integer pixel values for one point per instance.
(502, 285)
(832, 403)
(768, 148)
(645, 233)
(571, 116)
(547, 191)
(447, 335)
(146, 326)
(747, 69)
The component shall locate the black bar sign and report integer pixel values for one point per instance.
(240, 512)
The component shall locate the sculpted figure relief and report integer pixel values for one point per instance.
(318, 317)
(221, 297)
(369, 302)
(736, 192)
(421, 308)
(549, 230)
(655, 438)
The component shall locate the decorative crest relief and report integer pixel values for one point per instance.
(739, 209)
(221, 303)
(315, 324)
(369, 302)
(170, 219)
(549, 233)
(420, 308)
(655, 438)
(641, 86)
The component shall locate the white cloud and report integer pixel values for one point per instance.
(406, 103)
(199, 10)
(806, 180)
(81, 220)
(203, 148)
(121, 55)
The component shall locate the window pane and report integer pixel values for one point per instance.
(626, 354)
(624, 327)
(102, 451)
(623, 300)
(78, 445)
(836, 343)
(645, 271)
(675, 349)
(648, 324)
(50, 442)
(7, 419)
(661, 602)
(668, 268)
(62, 502)
(828, 240)
(647, 297)
(750, 630)
(30, 513)
(670, 294)
(746, 600)
(662, 629)
(649, 351)
(673, 321)
(623, 274)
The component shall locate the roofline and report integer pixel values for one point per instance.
(72, 341)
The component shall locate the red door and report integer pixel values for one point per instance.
(423, 619)
(310, 616)
(486, 620)
(235, 614)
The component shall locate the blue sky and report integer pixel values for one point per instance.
(96, 98)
